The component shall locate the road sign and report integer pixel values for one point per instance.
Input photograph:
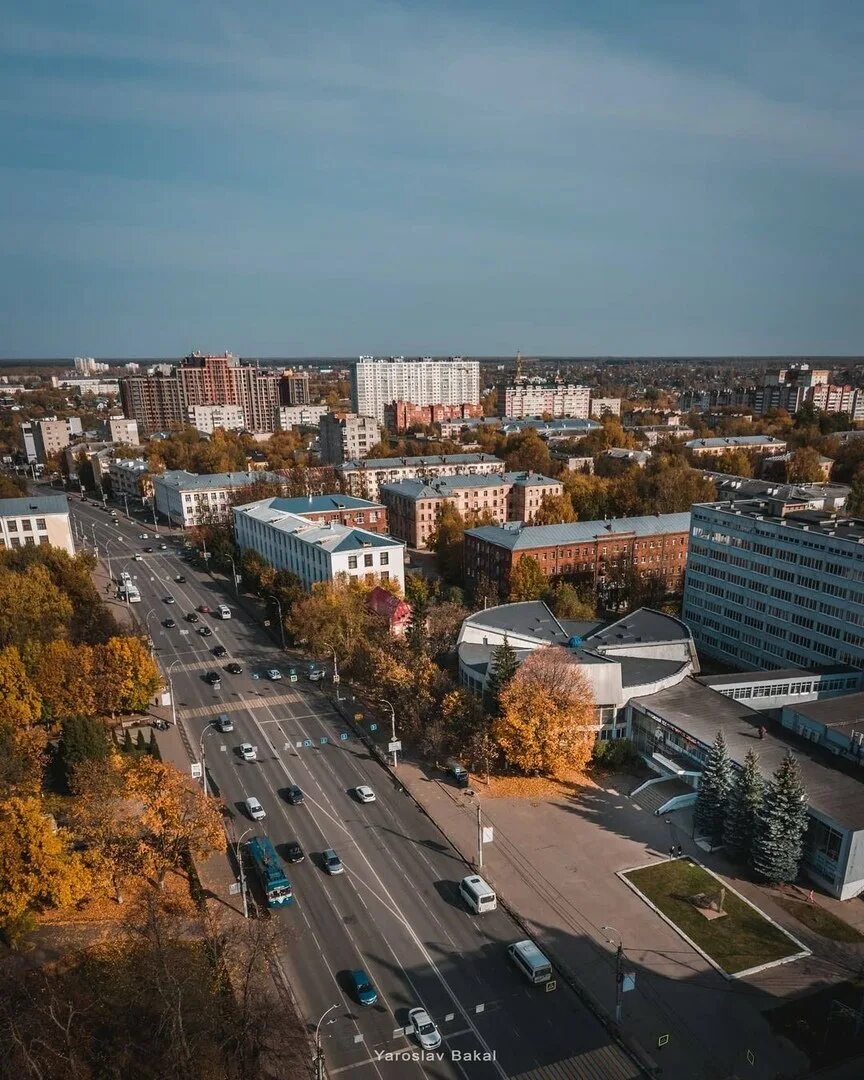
(343, 735)
(307, 742)
(488, 834)
(234, 888)
(324, 740)
(395, 744)
(195, 769)
(628, 982)
(551, 985)
(335, 678)
(480, 1008)
(662, 1040)
(373, 727)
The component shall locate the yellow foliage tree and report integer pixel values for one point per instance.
(124, 675)
(39, 870)
(333, 614)
(547, 711)
(176, 818)
(64, 674)
(32, 607)
(20, 703)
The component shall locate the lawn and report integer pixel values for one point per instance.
(819, 920)
(741, 940)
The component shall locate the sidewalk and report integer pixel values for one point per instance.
(553, 862)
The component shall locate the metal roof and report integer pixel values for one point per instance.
(43, 504)
(734, 440)
(416, 462)
(187, 481)
(317, 504)
(518, 537)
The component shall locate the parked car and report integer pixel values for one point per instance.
(274, 673)
(362, 988)
(294, 852)
(254, 809)
(364, 793)
(315, 674)
(234, 668)
(247, 751)
(292, 674)
(332, 862)
(427, 1033)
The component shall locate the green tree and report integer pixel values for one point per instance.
(527, 580)
(502, 667)
(745, 801)
(446, 540)
(714, 788)
(82, 738)
(527, 452)
(567, 602)
(781, 824)
(855, 502)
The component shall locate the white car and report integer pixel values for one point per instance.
(364, 793)
(143, 536)
(248, 752)
(254, 809)
(274, 673)
(137, 558)
(427, 1033)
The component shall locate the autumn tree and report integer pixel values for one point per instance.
(20, 704)
(446, 540)
(442, 626)
(32, 608)
(527, 580)
(125, 676)
(39, 868)
(334, 615)
(554, 510)
(527, 452)
(804, 466)
(64, 675)
(547, 715)
(177, 820)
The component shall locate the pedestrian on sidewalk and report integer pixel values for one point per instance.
(671, 851)
(679, 851)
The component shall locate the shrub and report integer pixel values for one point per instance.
(618, 754)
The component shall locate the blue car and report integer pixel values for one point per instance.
(362, 986)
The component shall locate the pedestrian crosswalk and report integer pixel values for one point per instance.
(289, 698)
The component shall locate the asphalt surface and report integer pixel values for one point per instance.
(395, 911)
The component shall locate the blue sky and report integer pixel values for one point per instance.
(277, 178)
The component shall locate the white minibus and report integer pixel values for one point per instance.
(530, 961)
(477, 894)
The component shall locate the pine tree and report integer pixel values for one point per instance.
(745, 802)
(141, 746)
(714, 788)
(503, 666)
(781, 824)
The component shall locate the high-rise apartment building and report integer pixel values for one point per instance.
(771, 584)
(377, 381)
(161, 401)
(45, 438)
(557, 400)
(294, 387)
(346, 436)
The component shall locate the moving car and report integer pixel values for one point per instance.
(294, 795)
(234, 668)
(427, 1033)
(219, 650)
(143, 536)
(180, 579)
(163, 547)
(148, 550)
(169, 599)
(247, 751)
(214, 678)
(332, 862)
(138, 557)
(294, 852)
(204, 609)
(315, 674)
(362, 988)
(224, 722)
(223, 611)
(254, 809)
(364, 793)
(205, 631)
(191, 617)
(292, 674)
(274, 673)
(169, 623)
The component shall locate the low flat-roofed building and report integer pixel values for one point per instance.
(811, 496)
(757, 444)
(675, 728)
(625, 456)
(36, 520)
(317, 551)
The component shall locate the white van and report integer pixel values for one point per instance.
(254, 809)
(530, 961)
(223, 611)
(477, 894)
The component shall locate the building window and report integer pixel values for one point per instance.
(40, 523)
(352, 562)
(43, 539)
(385, 558)
(367, 560)
(385, 575)
(12, 526)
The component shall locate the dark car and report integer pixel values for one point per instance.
(293, 852)
(180, 579)
(234, 668)
(191, 617)
(220, 650)
(204, 609)
(205, 631)
(294, 795)
(148, 550)
(362, 987)
(213, 677)
(169, 623)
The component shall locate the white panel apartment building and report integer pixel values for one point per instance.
(317, 551)
(188, 499)
(206, 418)
(540, 399)
(376, 381)
(770, 584)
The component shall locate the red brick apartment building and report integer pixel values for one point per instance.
(583, 551)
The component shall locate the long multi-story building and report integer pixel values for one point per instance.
(160, 400)
(593, 553)
(36, 521)
(401, 415)
(365, 476)
(187, 499)
(289, 416)
(753, 444)
(377, 381)
(414, 505)
(555, 400)
(206, 418)
(771, 584)
(317, 551)
(346, 436)
(341, 509)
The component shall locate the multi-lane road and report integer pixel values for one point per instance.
(395, 911)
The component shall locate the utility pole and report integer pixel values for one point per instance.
(278, 603)
(479, 838)
(619, 974)
(203, 758)
(319, 1053)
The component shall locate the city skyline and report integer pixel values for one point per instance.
(417, 178)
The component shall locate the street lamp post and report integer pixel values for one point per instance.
(619, 973)
(319, 1054)
(168, 671)
(126, 504)
(203, 757)
(238, 852)
(392, 725)
(335, 670)
(234, 575)
(95, 545)
(281, 623)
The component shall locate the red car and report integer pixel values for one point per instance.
(204, 609)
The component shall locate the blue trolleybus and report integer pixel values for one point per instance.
(274, 882)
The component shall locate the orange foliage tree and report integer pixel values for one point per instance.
(547, 715)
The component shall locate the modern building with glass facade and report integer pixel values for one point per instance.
(771, 584)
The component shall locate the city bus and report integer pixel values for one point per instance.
(274, 881)
(130, 593)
